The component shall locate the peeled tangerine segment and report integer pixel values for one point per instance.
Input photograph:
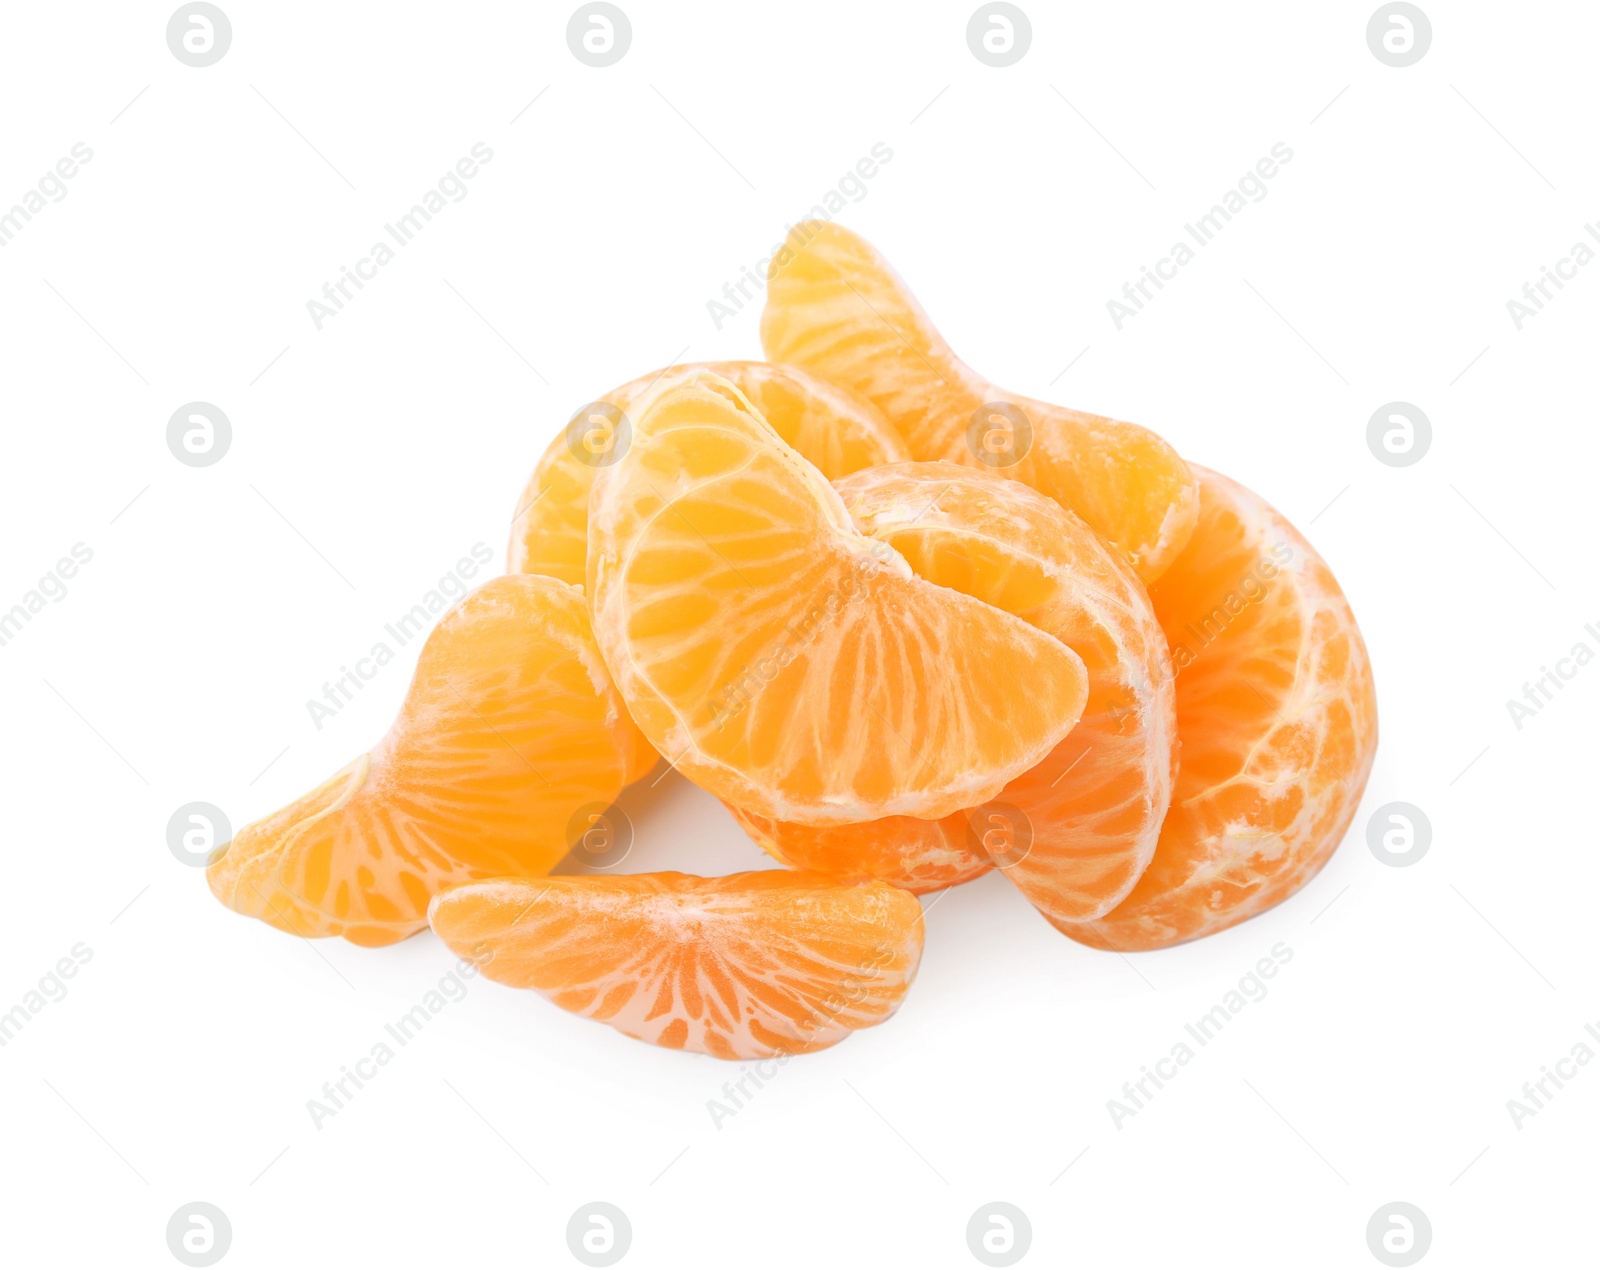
(833, 428)
(1277, 720)
(511, 727)
(243, 873)
(834, 305)
(917, 855)
(1075, 831)
(783, 660)
(748, 966)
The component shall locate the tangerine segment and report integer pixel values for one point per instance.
(835, 306)
(1074, 832)
(510, 730)
(783, 660)
(754, 965)
(916, 855)
(835, 429)
(1277, 719)
(243, 873)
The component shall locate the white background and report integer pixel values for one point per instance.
(370, 455)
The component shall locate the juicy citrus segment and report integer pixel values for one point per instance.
(833, 428)
(1075, 831)
(1277, 720)
(749, 966)
(243, 874)
(835, 306)
(510, 727)
(638, 755)
(783, 660)
(916, 855)
(1091, 811)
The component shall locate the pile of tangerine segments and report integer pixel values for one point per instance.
(908, 627)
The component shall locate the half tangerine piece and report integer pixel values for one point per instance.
(754, 965)
(783, 660)
(510, 730)
(1075, 831)
(835, 306)
(1277, 718)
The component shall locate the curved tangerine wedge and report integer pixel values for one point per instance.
(834, 305)
(749, 966)
(1074, 832)
(915, 855)
(1277, 719)
(510, 729)
(243, 873)
(783, 660)
(834, 429)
